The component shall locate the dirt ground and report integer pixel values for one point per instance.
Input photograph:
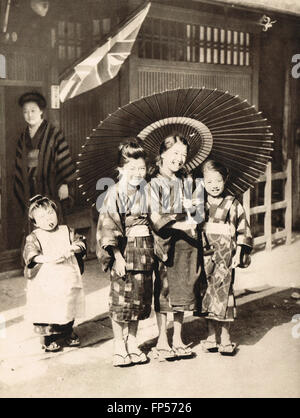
(267, 332)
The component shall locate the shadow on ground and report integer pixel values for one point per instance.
(255, 319)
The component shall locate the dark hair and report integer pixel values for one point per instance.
(212, 165)
(131, 149)
(171, 140)
(166, 144)
(39, 201)
(33, 96)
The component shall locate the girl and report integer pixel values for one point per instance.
(125, 246)
(228, 242)
(54, 293)
(177, 245)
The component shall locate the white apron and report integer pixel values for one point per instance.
(55, 295)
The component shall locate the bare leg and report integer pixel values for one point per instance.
(119, 343)
(212, 331)
(225, 334)
(178, 320)
(132, 346)
(162, 342)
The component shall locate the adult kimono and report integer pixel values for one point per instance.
(225, 228)
(54, 290)
(123, 224)
(43, 164)
(177, 276)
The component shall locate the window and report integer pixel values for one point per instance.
(69, 40)
(175, 41)
(101, 27)
(2, 66)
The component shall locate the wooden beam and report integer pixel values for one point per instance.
(21, 83)
(288, 198)
(258, 209)
(268, 203)
(192, 16)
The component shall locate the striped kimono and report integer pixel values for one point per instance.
(43, 164)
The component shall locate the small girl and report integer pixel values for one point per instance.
(53, 264)
(125, 246)
(227, 243)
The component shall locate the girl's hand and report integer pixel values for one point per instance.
(120, 265)
(184, 225)
(235, 261)
(75, 248)
(236, 258)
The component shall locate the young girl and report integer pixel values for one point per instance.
(54, 293)
(125, 246)
(227, 243)
(177, 245)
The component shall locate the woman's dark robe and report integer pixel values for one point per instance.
(43, 164)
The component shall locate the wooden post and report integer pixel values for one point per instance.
(246, 204)
(268, 205)
(288, 198)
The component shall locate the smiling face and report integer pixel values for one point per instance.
(32, 113)
(214, 183)
(45, 218)
(134, 171)
(174, 158)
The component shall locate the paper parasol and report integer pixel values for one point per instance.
(216, 124)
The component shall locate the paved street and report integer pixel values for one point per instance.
(267, 331)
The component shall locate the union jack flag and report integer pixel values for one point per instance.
(105, 62)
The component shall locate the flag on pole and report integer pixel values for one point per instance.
(105, 62)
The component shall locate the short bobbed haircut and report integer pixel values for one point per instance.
(212, 165)
(37, 202)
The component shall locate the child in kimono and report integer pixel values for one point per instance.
(227, 243)
(125, 246)
(53, 266)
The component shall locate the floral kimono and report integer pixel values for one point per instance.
(54, 290)
(176, 285)
(123, 224)
(225, 228)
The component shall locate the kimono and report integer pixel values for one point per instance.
(43, 164)
(123, 224)
(54, 291)
(179, 253)
(225, 228)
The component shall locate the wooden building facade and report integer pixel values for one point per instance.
(181, 44)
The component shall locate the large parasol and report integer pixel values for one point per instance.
(217, 125)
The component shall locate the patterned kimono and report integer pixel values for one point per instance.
(43, 164)
(226, 227)
(123, 224)
(54, 291)
(177, 280)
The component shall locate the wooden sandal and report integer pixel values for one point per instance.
(138, 358)
(209, 346)
(121, 361)
(183, 351)
(52, 348)
(228, 349)
(163, 354)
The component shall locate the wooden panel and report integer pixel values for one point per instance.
(156, 80)
(26, 66)
(83, 113)
(179, 14)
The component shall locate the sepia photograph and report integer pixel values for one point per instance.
(149, 201)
